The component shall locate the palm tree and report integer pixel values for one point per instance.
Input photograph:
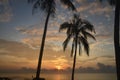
(49, 7)
(116, 38)
(79, 30)
(116, 3)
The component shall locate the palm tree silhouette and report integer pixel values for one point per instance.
(49, 7)
(116, 3)
(79, 30)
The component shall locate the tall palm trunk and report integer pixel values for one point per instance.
(116, 38)
(42, 46)
(73, 69)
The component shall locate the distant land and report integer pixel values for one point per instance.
(101, 69)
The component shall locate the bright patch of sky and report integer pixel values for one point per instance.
(20, 29)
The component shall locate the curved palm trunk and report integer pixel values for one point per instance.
(42, 47)
(116, 38)
(73, 69)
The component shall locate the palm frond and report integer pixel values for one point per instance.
(68, 31)
(48, 4)
(79, 47)
(87, 34)
(73, 46)
(36, 5)
(53, 9)
(65, 43)
(82, 33)
(69, 4)
(85, 44)
(87, 25)
(79, 30)
(45, 5)
(76, 16)
(63, 26)
(78, 22)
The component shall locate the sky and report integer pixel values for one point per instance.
(21, 34)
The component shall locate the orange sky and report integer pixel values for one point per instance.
(21, 33)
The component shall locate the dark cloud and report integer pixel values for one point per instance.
(105, 68)
(102, 68)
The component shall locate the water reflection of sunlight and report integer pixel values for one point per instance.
(61, 77)
(58, 77)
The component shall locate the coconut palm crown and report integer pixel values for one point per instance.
(79, 30)
(48, 6)
(45, 5)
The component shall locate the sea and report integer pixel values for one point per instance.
(60, 76)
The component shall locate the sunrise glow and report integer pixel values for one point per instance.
(21, 35)
(58, 67)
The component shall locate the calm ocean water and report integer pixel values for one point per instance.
(78, 76)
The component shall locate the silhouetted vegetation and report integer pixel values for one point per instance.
(49, 7)
(116, 3)
(79, 30)
(5, 78)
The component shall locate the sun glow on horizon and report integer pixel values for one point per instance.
(58, 67)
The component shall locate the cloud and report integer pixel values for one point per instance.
(34, 36)
(15, 55)
(12, 53)
(53, 43)
(99, 58)
(5, 11)
(31, 30)
(52, 33)
(105, 68)
(92, 60)
(84, 6)
(18, 49)
(93, 7)
(80, 1)
(99, 9)
(33, 43)
(104, 30)
(102, 68)
(9, 62)
(53, 46)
